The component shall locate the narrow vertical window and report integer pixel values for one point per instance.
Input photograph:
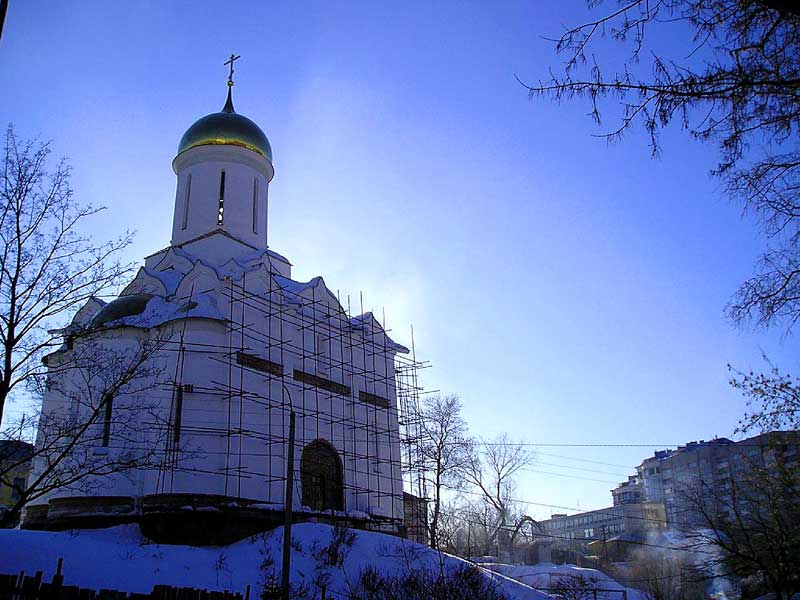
(255, 205)
(108, 404)
(221, 198)
(178, 414)
(186, 201)
(323, 364)
(378, 446)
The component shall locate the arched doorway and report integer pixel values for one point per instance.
(321, 477)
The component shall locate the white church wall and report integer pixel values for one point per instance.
(78, 378)
(212, 460)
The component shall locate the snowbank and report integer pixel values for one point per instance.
(120, 558)
(545, 576)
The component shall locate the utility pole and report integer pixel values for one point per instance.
(605, 552)
(287, 513)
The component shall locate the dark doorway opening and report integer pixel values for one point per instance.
(321, 477)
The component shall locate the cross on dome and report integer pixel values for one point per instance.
(230, 61)
(228, 108)
(227, 127)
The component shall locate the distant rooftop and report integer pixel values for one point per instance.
(15, 450)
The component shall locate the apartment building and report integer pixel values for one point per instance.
(675, 477)
(628, 492)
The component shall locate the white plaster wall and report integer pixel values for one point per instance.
(196, 204)
(139, 410)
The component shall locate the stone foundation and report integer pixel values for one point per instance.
(198, 520)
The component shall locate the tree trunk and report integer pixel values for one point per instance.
(436, 507)
(5, 381)
(778, 591)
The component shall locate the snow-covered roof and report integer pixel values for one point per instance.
(160, 293)
(369, 324)
(146, 311)
(546, 576)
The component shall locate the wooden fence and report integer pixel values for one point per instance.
(26, 587)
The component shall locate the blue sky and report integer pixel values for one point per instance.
(570, 291)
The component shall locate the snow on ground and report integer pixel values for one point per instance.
(120, 558)
(545, 576)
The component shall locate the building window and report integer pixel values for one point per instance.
(178, 414)
(186, 201)
(221, 209)
(323, 354)
(18, 488)
(255, 205)
(380, 447)
(108, 405)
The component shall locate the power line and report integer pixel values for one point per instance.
(667, 447)
(587, 460)
(567, 475)
(574, 468)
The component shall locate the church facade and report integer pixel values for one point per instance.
(233, 347)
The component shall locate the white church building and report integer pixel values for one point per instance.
(236, 346)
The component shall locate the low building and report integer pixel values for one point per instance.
(415, 518)
(15, 466)
(623, 523)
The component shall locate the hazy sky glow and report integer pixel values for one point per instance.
(570, 291)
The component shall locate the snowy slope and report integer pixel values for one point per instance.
(545, 575)
(120, 558)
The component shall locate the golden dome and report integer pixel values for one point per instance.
(227, 128)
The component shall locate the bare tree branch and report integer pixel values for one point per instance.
(739, 86)
(47, 267)
(74, 448)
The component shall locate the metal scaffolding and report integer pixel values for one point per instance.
(346, 385)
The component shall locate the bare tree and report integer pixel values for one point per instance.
(477, 520)
(465, 582)
(105, 420)
(48, 268)
(101, 381)
(773, 400)
(444, 450)
(575, 587)
(492, 470)
(736, 83)
(451, 526)
(664, 574)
